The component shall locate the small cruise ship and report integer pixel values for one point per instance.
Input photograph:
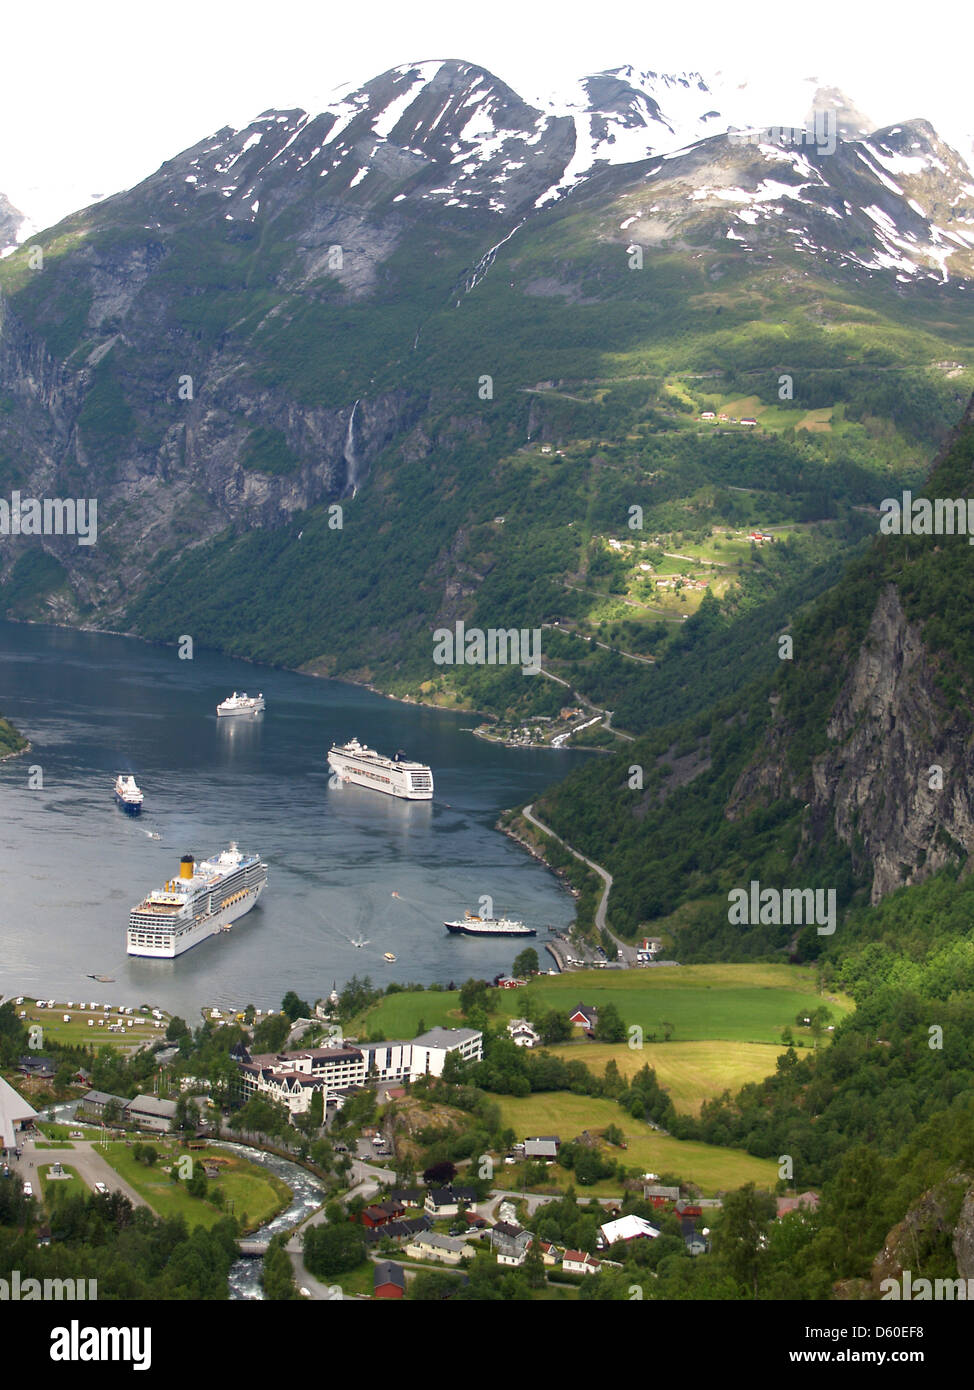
(202, 901)
(360, 766)
(474, 925)
(127, 794)
(240, 704)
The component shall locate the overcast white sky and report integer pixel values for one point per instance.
(94, 97)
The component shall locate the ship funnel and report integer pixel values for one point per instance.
(186, 866)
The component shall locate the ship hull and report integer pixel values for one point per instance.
(456, 930)
(187, 935)
(131, 808)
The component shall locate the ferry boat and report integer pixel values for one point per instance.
(473, 925)
(127, 794)
(354, 763)
(203, 900)
(240, 704)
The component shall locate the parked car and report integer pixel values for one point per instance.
(28, 1189)
(100, 1187)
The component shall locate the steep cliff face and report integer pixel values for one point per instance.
(895, 781)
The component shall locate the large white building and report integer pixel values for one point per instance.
(292, 1078)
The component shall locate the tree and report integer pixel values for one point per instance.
(178, 1028)
(333, 1249)
(473, 995)
(440, 1173)
(610, 1027)
(526, 962)
(554, 1027)
(294, 1007)
(534, 1265)
(741, 1238)
(271, 1033)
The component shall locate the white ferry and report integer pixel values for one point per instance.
(354, 763)
(202, 901)
(127, 794)
(472, 925)
(240, 704)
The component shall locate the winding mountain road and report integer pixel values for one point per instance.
(628, 952)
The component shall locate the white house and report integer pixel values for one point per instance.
(579, 1262)
(627, 1228)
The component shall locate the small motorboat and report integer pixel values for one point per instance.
(388, 956)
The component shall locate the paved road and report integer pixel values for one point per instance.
(628, 952)
(90, 1166)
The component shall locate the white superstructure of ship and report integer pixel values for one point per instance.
(127, 794)
(475, 925)
(203, 900)
(240, 704)
(354, 763)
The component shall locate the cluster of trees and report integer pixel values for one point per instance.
(131, 1253)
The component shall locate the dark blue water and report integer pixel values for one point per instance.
(73, 863)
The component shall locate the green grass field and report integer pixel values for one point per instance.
(735, 1003)
(691, 1072)
(255, 1192)
(559, 1112)
(78, 1034)
(51, 1188)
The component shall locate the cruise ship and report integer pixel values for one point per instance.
(472, 925)
(127, 794)
(240, 704)
(202, 901)
(364, 767)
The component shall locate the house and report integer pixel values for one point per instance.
(389, 1280)
(808, 1201)
(15, 1115)
(544, 1146)
(41, 1067)
(550, 1253)
(659, 1196)
(707, 415)
(408, 1196)
(627, 1228)
(722, 418)
(748, 420)
(430, 1051)
(151, 1112)
(97, 1102)
(381, 1213)
(510, 982)
(445, 1201)
(448, 1250)
(686, 1209)
(510, 1244)
(586, 1015)
(579, 1262)
(519, 1030)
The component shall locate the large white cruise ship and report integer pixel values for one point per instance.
(364, 767)
(240, 704)
(202, 901)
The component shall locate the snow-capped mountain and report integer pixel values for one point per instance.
(14, 227)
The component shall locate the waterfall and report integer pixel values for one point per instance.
(351, 462)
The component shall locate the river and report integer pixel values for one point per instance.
(343, 864)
